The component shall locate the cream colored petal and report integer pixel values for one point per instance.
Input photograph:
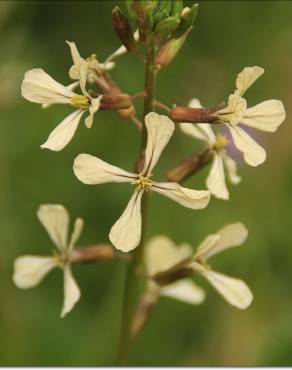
(78, 227)
(184, 290)
(231, 235)
(64, 132)
(266, 116)
(195, 199)
(206, 247)
(39, 87)
(107, 66)
(55, 219)
(161, 254)
(70, 87)
(216, 179)
(92, 170)
(253, 153)
(159, 130)
(246, 78)
(30, 270)
(125, 234)
(77, 59)
(93, 108)
(231, 168)
(234, 291)
(200, 131)
(71, 291)
(83, 73)
(234, 112)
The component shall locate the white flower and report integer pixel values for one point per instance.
(86, 69)
(30, 270)
(216, 179)
(126, 232)
(235, 291)
(39, 87)
(266, 116)
(160, 255)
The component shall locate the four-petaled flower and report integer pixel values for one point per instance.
(216, 179)
(126, 232)
(39, 87)
(29, 270)
(265, 116)
(162, 254)
(235, 291)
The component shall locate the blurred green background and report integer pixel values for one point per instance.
(228, 36)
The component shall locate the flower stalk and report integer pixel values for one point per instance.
(132, 284)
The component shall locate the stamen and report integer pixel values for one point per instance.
(143, 182)
(221, 142)
(80, 101)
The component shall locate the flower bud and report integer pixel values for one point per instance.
(169, 50)
(193, 115)
(119, 101)
(123, 29)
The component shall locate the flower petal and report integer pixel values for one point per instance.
(80, 70)
(234, 291)
(92, 170)
(231, 235)
(30, 270)
(234, 112)
(93, 108)
(64, 132)
(55, 220)
(71, 291)
(126, 232)
(71, 87)
(161, 254)
(200, 131)
(266, 116)
(160, 129)
(216, 179)
(78, 227)
(39, 87)
(195, 199)
(231, 168)
(253, 153)
(246, 78)
(184, 290)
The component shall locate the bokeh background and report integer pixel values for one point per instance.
(228, 35)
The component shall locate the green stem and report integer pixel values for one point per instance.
(133, 281)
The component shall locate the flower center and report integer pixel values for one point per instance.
(80, 101)
(143, 182)
(221, 142)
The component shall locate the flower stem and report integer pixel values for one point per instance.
(133, 281)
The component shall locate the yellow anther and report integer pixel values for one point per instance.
(80, 101)
(221, 142)
(143, 182)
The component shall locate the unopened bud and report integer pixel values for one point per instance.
(116, 101)
(169, 50)
(127, 112)
(193, 115)
(123, 29)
